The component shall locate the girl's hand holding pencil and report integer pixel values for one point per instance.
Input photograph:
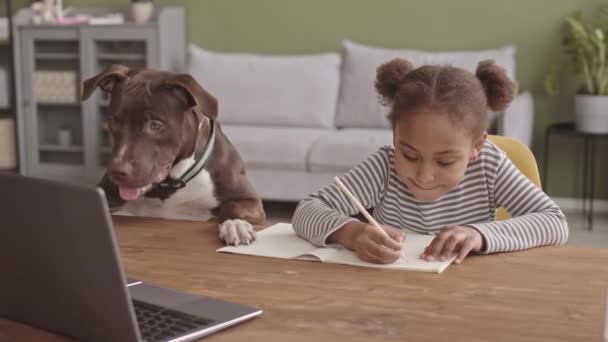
(371, 241)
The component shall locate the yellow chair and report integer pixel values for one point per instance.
(521, 156)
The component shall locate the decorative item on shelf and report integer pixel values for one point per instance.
(107, 19)
(4, 29)
(73, 19)
(586, 43)
(46, 11)
(59, 8)
(142, 10)
(104, 19)
(64, 136)
(8, 144)
(56, 86)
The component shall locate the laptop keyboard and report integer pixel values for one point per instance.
(161, 324)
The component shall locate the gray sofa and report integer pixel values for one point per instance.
(298, 121)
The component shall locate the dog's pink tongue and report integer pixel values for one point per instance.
(128, 193)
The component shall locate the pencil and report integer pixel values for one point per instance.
(363, 211)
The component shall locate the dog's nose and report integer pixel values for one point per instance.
(121, 171)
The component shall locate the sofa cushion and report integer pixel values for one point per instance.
(252, 89)
(273, 147)
(358, 104)
(341, 150)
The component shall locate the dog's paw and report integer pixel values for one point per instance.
(236, 232)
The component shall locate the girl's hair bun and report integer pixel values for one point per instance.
(499, 89)
(390, 76)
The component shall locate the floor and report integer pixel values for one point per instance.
(579, 232)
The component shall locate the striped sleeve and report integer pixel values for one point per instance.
(536, 221)
(327, 210)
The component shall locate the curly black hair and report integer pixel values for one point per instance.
(461, 95)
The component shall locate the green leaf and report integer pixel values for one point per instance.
(587, 46)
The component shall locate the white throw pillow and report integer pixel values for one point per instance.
(358, 104)
(269, 90)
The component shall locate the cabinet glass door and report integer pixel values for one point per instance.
(127, 45)
(56, 94)
(52, 104)
(130, 53)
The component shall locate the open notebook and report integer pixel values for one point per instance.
(280, 241)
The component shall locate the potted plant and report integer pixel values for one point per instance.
(142, 10)
(586, 43)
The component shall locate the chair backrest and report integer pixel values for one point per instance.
(521, 156)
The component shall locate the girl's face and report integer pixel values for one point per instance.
(432, 153)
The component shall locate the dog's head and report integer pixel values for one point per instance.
(153, 123)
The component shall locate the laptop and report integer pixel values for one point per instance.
(61, 272)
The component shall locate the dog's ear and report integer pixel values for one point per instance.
(105, 80)
(197, 97)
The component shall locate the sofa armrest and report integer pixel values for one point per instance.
(518, 120)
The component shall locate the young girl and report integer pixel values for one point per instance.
(441, 176)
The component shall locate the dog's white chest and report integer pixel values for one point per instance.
(193, 202)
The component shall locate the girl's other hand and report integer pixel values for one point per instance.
(453, 240)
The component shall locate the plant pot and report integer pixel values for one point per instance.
(142, 11)
(591, 113)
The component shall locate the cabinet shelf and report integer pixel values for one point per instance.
(58, 104)
(62, 170)
(60, 157)
(60, 148)
(122, 56)
(57, 55)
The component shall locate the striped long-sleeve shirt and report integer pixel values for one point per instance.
(490, 181)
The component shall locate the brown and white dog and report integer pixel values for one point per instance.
(169, 156)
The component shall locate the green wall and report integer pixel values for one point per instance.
(308, 26)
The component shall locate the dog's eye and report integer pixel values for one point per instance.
(155, 125)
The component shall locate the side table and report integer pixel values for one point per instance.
(568, 129)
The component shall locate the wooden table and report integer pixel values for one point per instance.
(544, 294)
